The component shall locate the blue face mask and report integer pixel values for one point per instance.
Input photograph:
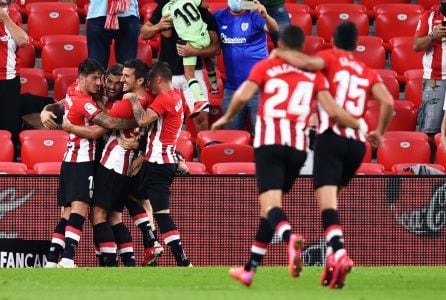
(234, 5)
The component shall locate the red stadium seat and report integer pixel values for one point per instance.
(368, 153)
(5, 134)
(396, 20)
(404, 118)
(221, 66)
(413, 135)
(49, 20)
(186, 147)
(196, 168)
(55, 52)
(15, 16)
(27, 56)
(327, 22)
(6, 148)
(402, 169)
(63, 78)
(234, 168)
(240, 137)
(47, 168)
(33, 81)
(414, 86)
(42, 146)
(396, 103)
(220, 153)
(370, 169)
(390, 80)
(370, 50)
(313, 3)
(437, 139)
(300, 16)
(313, 44)
(292, 6)
(369, 4)
(81, 7)
(441, 155)
(12, 168)
(403, 150)
(33, 6)
(339, 8)
(427, 4)
(147, 10)
(214, 6)
(403, 57)
(184, 134)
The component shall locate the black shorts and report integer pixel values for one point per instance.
(154, 184)
(111, 189)
(277, 167)
(336, 159)
(76, 182)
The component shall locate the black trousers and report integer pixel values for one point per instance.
(10, 108)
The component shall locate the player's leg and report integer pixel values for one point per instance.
(123, 239)
(212, 74)
(58, 239)
(189, 72)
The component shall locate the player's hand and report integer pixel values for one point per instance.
(4, 14)
(375, 139)
(128, 143)
(47, 118)
(260, 9)
(220, 123)
(165, 23)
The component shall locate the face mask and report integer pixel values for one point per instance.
(234, 5)
(443, 8)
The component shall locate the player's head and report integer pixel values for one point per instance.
(345, 36)
(113, 84)
(292, 38)
(134, 75)
(89, 75)
(159, 74)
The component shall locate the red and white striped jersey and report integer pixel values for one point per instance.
(350, 83)
(285, 102)
(434, 59)
(114, 157)
(9, 60)
(80, 109)
(163, 133)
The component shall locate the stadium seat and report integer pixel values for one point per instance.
(368, 153)
(184, 134)
(413, 135)
(221, 66)
(313, 44)
(44, 5)
(402, 169)
(81, 7)
(390, 80)
(147, 10)
(214, 6)
(441, 155)
(437, 139)
(196, 168)
(220, 153)
(12, 168)
(240, 137)
(369, 4)
(234, 168)
(52, 21)
(6, 148)
(396, 103)
(63, 78)
(403, 150)
(33, 81)
(396, 20)
(403, 57)
(300, 16)
(56, 50)
(370, 169)
(15, 16)
(370, 50)
(27, 55)
(327, 22)
(21, 5)
(47, 168)
(144, 52)
(414, 86)
(339, 8)
(404, 118)
(427, 4)
(42, 146)
(313, 3)
(186, 147)
(5, 134)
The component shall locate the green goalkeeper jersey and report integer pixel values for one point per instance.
(186, 19)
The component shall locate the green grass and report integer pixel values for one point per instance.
(214, 283)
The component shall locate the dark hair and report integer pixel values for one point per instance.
(161, 69)
(292, 37)
(139, 66)
(89, 66)
(114, 69)
(345, 36)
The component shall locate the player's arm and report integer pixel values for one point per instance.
(241, 96)
(143, 117)
(51, 112)
(335, 112)
(90, 132)
(270, 23)
(155, 25)
(19, 35)
(299, 59)
(102, 119)
(210, 51)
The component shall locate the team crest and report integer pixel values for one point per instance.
(245, 26)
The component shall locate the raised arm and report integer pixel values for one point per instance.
(143, 117)
(299, 59)
(19, 35)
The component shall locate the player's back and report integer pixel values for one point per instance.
(186, 18)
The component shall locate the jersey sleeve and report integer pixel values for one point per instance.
(121, 109)
(326, 56)
(422, 26)
(320, 83)
(161, 104)
(88, 109)
(374, 77)
(258, 72)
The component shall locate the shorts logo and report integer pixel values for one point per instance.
(90, 108)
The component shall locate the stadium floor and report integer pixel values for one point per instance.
(214, 283)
